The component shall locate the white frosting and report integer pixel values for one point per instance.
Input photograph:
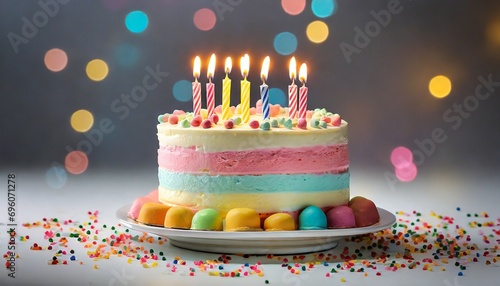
(242, 137)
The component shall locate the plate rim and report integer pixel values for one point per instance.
(387, 219)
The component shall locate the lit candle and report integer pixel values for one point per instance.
(303, 92)
(210, 86)
(292, 90)
(226, 90)
(245, 89)
(196, 87)
(264, 89)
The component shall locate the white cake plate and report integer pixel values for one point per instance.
(256, 242)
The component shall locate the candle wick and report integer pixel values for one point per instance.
(293, 81)
(210, 79)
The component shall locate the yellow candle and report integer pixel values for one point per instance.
(226, 91)
(245, 89)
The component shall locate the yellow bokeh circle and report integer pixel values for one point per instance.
(317, 32)
(440, 86)
(82, 120)
(97, 70)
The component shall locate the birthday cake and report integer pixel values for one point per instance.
(277, 170)
(245, 169)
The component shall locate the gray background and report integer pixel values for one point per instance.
(382, 92)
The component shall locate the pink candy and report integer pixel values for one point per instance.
(302, 123)
(173, 119)
(206, 124)
(196, 121)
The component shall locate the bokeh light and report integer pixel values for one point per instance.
(204, 19)
(285, 43)
(82, 120)
(407, 173)
(323, 8)
(182, 90)
(56, 177)
(277, 96)
(126, 55)
(440, 86)
(136, 21)
(317, 32)
(76, 162)
(293, 7)
(97, 70)
(493, 33)
(401, 156)
(55, 60)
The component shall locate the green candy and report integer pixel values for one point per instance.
(282, 120)
(160, 118)
(207, 219)
(322, 124)
(237, 120)
(314, 123)
(274, 123)
(288, 123)
(185, 123)
(265, 125)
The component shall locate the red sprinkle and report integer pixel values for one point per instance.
(228, 124)
(214, 118)
(206, 124)
(254, 124)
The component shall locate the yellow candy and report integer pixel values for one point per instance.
(152, 213)
(279, 221)
(204, 113)
(242, 219)
(178, 217)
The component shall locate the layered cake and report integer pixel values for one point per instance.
(271, 166)
(237, 168)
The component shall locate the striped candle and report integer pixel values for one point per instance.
(226, 91)
(196, 87)
(245, 89)
(264, 89)
(303, 102)
(292, 91)
(210, 87)
(303, 92)
(210, 98)
(292, 100)
(264, 95)
(245, 101)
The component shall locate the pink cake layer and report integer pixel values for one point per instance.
(318, 159)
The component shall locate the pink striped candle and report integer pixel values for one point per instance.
(303, 92)
(196, 87)
(210, 87)
(292, 91)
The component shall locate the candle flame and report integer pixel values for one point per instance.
(293, 68)
(197, 66)
(211, 67)
(303, 73)
(229, 65)
(245, 65)
(265, 69)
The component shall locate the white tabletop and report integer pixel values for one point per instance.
(449, 202)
